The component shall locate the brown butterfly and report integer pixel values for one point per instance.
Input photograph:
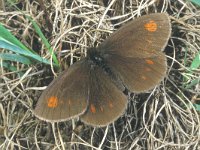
(92, 88)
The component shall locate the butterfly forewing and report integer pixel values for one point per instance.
(106, 102)
(143, 37)
(65, 98)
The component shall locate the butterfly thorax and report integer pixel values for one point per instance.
(97, 59)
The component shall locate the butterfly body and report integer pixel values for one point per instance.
(98, 59)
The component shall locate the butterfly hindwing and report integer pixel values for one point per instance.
(106, 101)
(139, 74)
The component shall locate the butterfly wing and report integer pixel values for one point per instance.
(144, 36)
(67, 96)
(134, 52)
(106, 102)
(139, 74)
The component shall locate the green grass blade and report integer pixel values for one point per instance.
(197, 2)
(193, 83)
(8, 66)
(10, 42)
(196, 62)
(7, 36)
(15, 57)
(41, 35)
(197, 106)
(45, 41)
(19, 50)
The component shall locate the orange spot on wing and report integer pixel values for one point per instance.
(52, 102)
(151, 26)
(92, 108)
(144, 77)
(149, 61)
(110, 104)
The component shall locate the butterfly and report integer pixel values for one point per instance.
(92, 88)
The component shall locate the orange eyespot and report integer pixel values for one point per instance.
(151, 26)
(110, 104)
(92, 108)
(149, 61)
(52, 102)
(144, 77)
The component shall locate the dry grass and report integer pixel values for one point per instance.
(160, 119)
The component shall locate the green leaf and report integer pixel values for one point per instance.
(8, 66)
(5, 35)
(16, 49)
(15, 57)
(44, 40)
(39, 32)
(197, 106)
(193, 83)
(197, 2)
(196, 62)
(10, 42)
